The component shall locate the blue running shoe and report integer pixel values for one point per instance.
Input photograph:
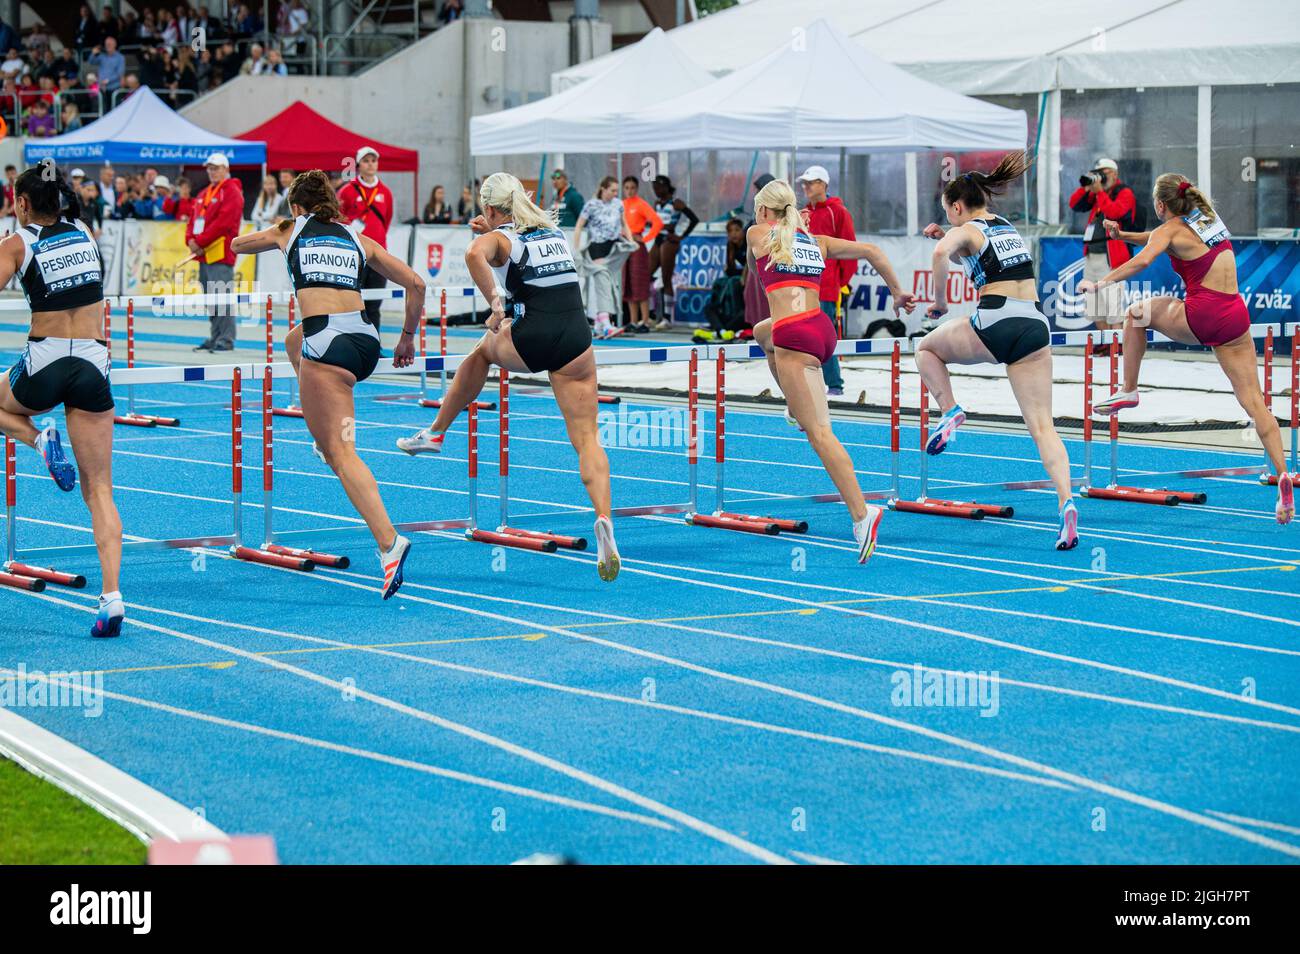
(945, 430)
(111, 613)
(61, 469)
(1068, 536)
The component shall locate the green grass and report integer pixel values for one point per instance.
(44, 825)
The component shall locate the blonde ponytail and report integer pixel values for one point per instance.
(778, 198)
(506, 194)
(1180, 199)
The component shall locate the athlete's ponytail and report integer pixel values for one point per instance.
(506, 194)
(975, 188)
(312, 192)
(1181, 197)
(778, 198)
(48, 193)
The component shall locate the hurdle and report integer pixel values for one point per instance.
(25, 576)
(722, 518)
(130, 418)
(425, 400)
(1294, 467)
(291, 410)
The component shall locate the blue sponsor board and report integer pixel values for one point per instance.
(1268, 277)
(700, 262)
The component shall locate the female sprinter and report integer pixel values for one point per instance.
(65, 361)
(1199, 247)
(524, 267)
(799, 338)
(335, 347)
(1008, 326)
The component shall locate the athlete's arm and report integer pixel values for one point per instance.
(255, 242)
(398, 272)
(12, 253)
(692, 218)
(1132, 238)
(1157, 242)
(838, 248)
(954, 242)
(482, 254)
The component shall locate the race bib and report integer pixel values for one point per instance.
(548, 253)
(1090, 231)
(1008, 246)
(198, 225)
(330, 259)
(66, 261)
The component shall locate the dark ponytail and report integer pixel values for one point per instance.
(975, 188)
(48, 193)
(313, 192)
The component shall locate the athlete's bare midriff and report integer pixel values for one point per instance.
(86, 321)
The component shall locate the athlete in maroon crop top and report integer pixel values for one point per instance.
(1211, 313)
(798, 338)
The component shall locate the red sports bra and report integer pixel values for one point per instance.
(804, 272)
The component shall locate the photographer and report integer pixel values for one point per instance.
(1103, 196)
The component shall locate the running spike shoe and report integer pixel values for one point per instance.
(61, 469)
(1285, 498)
(945, 430)
(1119, 401)
(392, 563)
(1067, 537)
(111, 613)
(423, 441)
(607, 559)
(865, 530)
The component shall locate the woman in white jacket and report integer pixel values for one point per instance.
(266, 210)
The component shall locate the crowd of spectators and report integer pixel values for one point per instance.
(52, 85)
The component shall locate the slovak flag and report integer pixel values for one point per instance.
(435, 259)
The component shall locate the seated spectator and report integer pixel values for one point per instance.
(28, 92)
(70, 116)
(87, 33)
(231, 65)
(38, 41)
(436, 210)
(130, 83)
(180, 206)
(108, 64)
(244, 22)
(92, 96)
(266, 209)
(47, 91)
(468, 206)
(68, 93)
(275, 64)
(39, 124)
(9, 100)
(256, 64)
(46, 65)
(109, 24)
(67, 65)
(449, 11)
(13, 64)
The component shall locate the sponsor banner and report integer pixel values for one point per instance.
(438, 256)
(1268, 277)
(151, 253)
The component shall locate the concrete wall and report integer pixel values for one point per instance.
(421, 98)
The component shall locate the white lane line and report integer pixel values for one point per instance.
(816, 859)
(611, 697)
(1241, 820)
(142, 810)
(423, 767)
(594, 781)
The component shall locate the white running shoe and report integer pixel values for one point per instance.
(865, 530)
(320, 454)
(607, 559)
(108, 622)
(601, 328)
(392, 563)
(423, 441)
(1119, 401)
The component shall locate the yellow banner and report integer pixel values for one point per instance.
(154, 249)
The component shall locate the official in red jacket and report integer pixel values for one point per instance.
(218, 213)
(368, 203)
(1103, 196)
(828, 216)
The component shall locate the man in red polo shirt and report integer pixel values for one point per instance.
(368, 203)
(218, 213)
(828, 216)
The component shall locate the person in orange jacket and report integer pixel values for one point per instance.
(640, 216)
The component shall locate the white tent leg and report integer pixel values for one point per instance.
(913, 199)
(1049, 171)
(1204, 102)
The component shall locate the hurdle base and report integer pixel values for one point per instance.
(478, 405)
(315, 556)
(1160, 498)
(255, 555)
(43, 573)
(734, 522)
(609, 399)
(939, 508)
(990, 510)
(516, 540)
(134, 420)
(287, 411)
(1268, 480)
(561, 541)
(787, 526)
(22, 583)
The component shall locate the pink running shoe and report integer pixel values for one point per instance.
(1285, 499)
(1119, 401)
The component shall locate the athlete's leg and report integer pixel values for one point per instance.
(1240, 364)
(953, 342)
(16, 420)
(327, 407)
(800, 377)
(1031, 382)
(91, 435)
(1163, 314)
(575, 394)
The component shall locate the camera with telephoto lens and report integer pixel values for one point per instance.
(1088, 178)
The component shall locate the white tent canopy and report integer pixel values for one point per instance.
(143, 130)
(591, 117)
(819, 89)
(1049, 44)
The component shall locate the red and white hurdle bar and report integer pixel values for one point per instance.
(24, 576)
(130, 418)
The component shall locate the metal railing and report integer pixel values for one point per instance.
(345, 49)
